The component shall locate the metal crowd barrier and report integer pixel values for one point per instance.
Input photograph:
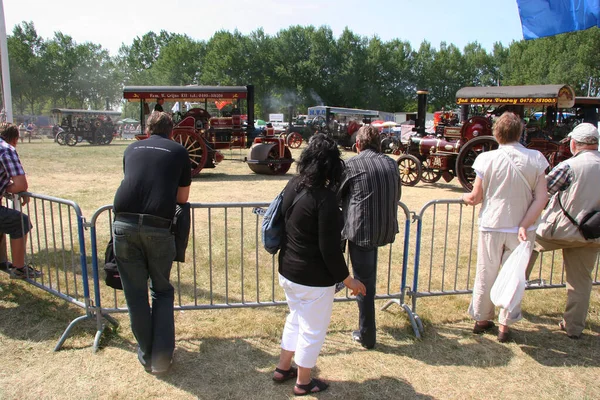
(55, 246)
(446, 255)
(226, 265)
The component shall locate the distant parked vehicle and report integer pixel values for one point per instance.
(96, 127)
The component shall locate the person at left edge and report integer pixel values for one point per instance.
(13, 222)
(157, 177)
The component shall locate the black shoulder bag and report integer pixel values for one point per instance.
(589, 225)
(113, 278)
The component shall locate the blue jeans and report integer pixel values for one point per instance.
(364, 266)
(144, 252)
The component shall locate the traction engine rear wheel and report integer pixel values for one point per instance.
(196, 148)
(466, 158)
(410, 169)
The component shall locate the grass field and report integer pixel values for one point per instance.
(230, 354)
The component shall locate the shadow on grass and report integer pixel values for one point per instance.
(445, 346)
(241, 368)
(200, 370)
(26, 313)
(552, 347)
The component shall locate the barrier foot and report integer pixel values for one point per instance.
(389, 303)
(101, 328)
(97, 339)
(419, 323)
(67, 331)
(414, 321)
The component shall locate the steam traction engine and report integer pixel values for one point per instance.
(95, 127)
(201, 133)
(452, 149)
(342, 131)
(448, 153)
(296, 131)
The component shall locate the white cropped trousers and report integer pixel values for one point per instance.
(306, 324)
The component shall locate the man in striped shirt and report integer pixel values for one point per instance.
(13, 222)
(370, 193)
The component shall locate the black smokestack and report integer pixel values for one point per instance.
(421, 111)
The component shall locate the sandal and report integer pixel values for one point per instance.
(285, 375)
(308, 388)
(563, 327)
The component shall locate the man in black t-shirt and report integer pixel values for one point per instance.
(157, 176)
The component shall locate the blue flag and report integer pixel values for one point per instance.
(541, 18)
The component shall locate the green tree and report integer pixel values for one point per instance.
(179, 62)
(135, 61)
(292, 68)
(478, 67)
(25, 50)
(353, 70)
(225, 62)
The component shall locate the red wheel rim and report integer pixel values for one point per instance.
(196, 148)
(294, 140)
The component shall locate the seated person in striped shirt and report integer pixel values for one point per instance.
(370, 192)
(12, 222)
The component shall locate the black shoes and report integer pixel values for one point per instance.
(503, 337)
(481, 328)
(358, 339)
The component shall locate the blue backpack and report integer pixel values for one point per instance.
(273, 225)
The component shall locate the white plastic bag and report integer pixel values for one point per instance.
(509, 286)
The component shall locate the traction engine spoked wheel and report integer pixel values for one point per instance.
(196, 148)
(410, 169)
(466, 158)
(70, 139)
(104, 137)
(61, 139)
(294, 140)
(430, 175)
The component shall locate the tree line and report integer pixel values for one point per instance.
(300, 66)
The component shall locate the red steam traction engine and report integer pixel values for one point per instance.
(452, 149)
(201, 133)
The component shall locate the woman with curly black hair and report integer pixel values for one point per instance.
(311, 261)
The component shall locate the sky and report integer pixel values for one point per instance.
(112, 23)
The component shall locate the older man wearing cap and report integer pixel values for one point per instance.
(573, 186)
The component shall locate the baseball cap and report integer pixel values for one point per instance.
(585, 133)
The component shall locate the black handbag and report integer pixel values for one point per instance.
(113, 278)
(589, 225)
(181, 229)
